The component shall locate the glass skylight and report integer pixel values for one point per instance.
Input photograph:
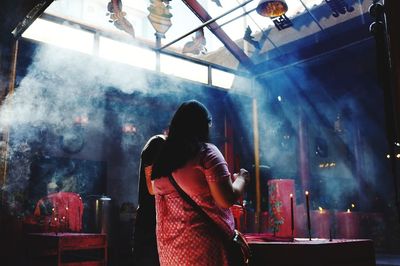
(222, 79)
(183, 68)
(126, 53)
(60, 35)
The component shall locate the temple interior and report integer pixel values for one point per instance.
(307, 100)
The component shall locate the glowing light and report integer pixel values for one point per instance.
(272, 8)
(55, 219)
(306, 192)
(332, 164)
(128, 128)
(353, 205)
(321, 210)
(397, 144)
(388, 156)
(279, 98)
(66, 208)
(82, 120)
(398, 155)
(348, 211)
(321, 165)
(291, 195)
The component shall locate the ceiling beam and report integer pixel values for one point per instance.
(232, 47)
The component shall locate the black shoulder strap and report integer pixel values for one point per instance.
(196, 207)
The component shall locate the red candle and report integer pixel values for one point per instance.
(321, 223)
(292, 213)
(300, 222)
(279, 213)
(348, 224)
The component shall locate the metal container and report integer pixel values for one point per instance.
(102, 215)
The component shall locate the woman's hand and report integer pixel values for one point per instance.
(244, 174)
(227, 193)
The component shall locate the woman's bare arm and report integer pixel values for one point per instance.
(149, 183)
(226, 193)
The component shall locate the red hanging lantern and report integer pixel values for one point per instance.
(272, 8)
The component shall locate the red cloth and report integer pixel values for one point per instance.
(66, 211)
(183, 236)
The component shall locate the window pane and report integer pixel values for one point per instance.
(182, 68)
(126, 53)
(60, 35)
(222, 79)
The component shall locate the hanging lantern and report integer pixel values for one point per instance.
(272, 8)
(160, 16)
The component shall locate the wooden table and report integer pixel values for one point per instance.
(67, 249)
(318, 252)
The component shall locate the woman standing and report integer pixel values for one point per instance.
(144, 238)
(184, 237)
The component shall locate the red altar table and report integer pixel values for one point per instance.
(317, 252)
(67, 249)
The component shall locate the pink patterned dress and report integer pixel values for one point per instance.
(183, 236)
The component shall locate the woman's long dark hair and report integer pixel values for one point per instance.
(188, 131)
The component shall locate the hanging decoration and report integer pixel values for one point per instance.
(196, 45)
(339, 7)
(282, 22)
(272, 8)
(250, 39)
(160, 16)
(217, 2)
(117, 17)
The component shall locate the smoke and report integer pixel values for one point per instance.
(344, 159)
(75, 105)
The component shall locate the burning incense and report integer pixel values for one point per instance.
(308, 214)
(292, 213)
